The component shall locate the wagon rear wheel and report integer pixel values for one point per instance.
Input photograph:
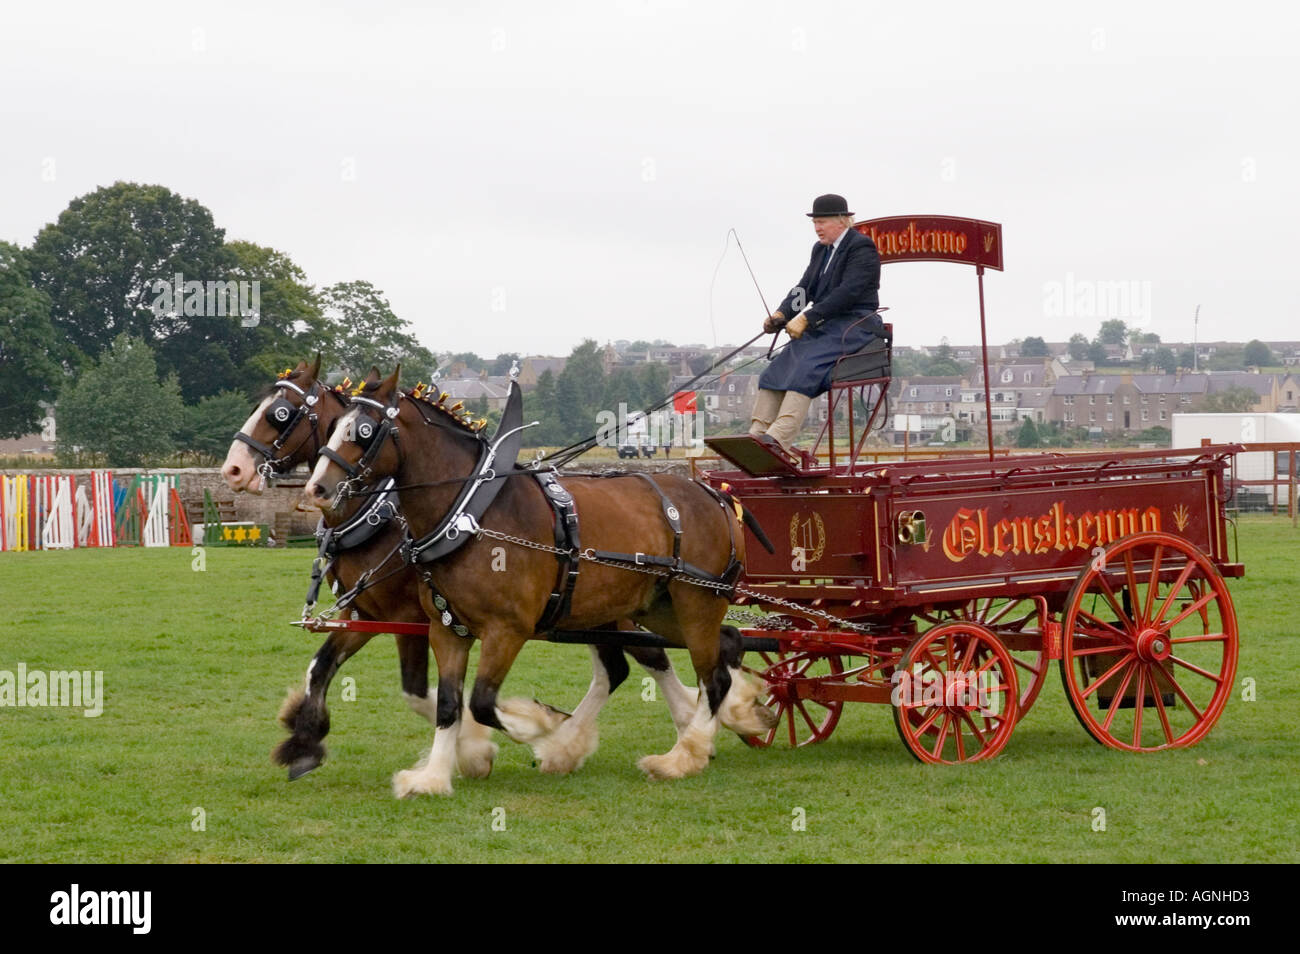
(800, 721)
(1019, 622)
(956, 696)
(1149, 644)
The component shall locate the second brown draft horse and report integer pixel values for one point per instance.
(499, 594)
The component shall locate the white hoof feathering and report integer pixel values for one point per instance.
(417, 781)
(527, 720)
(688, 757)
(426, 705)
(475, 750)
(564, 750)
(741, 712)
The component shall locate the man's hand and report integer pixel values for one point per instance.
(774, 322)
(796, 326)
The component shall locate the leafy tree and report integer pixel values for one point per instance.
(541, 405)
(654, 382)
(100, 261)
(1078, 346)
(1227, 359)
(1034, 347)
(205, 427)
(1027, 433)
(117, 413)
(470, 360)
(1113, 331)
(1165, 360)
(579, 391)
(639, 345)
(1257, 354)
(1097, 352)
(359, 329)
(28, 375)
(289, 321)
(1234, 400)
(1186, 358)
(942, 363)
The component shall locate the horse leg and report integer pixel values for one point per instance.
(565, 749)
(741, 710)
(413, 658)
(304, 711)
(523, 720)
(432, 774)
(696, 620)
(680, 697)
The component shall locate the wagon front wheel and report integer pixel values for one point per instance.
(800, 720)
(1149, 644)
(955, 695)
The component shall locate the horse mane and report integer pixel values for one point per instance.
(453, 417)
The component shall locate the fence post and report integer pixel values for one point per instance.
(1291, 494)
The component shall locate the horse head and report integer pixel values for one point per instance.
(288, 427)
(360, 448)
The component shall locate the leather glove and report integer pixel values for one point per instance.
(774, 322)
(797, 326)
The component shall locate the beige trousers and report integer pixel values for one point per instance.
(779, 413)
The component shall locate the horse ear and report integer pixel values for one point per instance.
(302, 366)
(389, 384)
(372, 376)
(315, 368)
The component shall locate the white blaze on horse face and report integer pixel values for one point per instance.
(241, 460)
(346, 425)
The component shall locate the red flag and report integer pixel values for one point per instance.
(684, 402)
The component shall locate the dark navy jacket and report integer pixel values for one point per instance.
(837, 322)
(850, 290)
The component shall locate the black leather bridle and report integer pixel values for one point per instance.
(368, 434)
(283, 415)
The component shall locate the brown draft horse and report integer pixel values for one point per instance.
(395, 597)
(502, 604)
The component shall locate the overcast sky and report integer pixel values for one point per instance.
(519, 176)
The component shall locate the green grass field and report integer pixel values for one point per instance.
(196, 663)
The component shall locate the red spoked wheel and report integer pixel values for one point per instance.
(800, 721)
(1149, 644)
(1017, 620)
(955, 696)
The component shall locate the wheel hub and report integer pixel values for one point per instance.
(1154, 645)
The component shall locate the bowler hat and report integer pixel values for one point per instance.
(829, 205)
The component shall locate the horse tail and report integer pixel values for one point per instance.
(745, 516)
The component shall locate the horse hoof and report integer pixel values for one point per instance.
(658, 766)
(302, 766)
(410, 782)
(566, 749)
(475, 760)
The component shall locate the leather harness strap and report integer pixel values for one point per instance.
(567, 545)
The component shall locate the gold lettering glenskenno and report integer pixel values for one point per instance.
(970, 531)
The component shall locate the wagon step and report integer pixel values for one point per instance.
(755, 456)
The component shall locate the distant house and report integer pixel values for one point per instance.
(533, 367)
(1115, 403)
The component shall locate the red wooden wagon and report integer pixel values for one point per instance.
(946, 588)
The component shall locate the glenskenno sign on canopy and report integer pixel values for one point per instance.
(935, 238)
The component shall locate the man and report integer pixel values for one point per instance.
(834, 313)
